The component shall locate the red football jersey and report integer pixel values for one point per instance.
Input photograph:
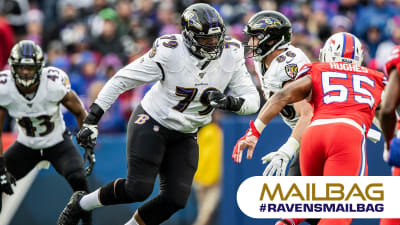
(344, 90)
(394, 60)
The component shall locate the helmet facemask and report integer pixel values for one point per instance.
(265, 46)
(203, 31)
(26, 75)
(272, 30)
(26, 62)
(207, 46)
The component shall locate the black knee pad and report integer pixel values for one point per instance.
(77, 180)
(160, 209)
(120, 191)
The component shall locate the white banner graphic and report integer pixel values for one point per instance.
(320, 197)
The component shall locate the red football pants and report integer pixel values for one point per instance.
(336, 149)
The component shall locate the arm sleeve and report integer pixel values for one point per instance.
(142, 71)
(242, 86)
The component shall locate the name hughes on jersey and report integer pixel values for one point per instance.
(348, 67)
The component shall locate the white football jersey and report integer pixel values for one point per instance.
(178, 98)
(283, 68)
(39, 120)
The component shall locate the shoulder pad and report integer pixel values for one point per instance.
(232, 55)
(5, 82)
(304, 70)
(381, 78)
(168, 51)
(290, 61)
(57, 82)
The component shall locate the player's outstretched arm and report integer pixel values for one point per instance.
(291, 93)
(305, 111)
(388, 119)
(72, 102)
(244, 92)
(391, 100)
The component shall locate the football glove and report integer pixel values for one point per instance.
(278, 160)
(89, 158)
(87, 136)
(6, 179)
(219, 100)
(394, 153)
(249, 140)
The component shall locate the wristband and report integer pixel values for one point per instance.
(260, 125)
(94, 115)
(290, 147)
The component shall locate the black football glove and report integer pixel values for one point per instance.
(91, 159)
(87, 136)
(219, 100)
(6, 179)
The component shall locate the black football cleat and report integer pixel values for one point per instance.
(73, 212)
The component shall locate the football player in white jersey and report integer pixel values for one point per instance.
(191, 70)
(32, 93)
(277, 63)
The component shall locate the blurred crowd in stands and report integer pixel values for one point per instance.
(92, 39)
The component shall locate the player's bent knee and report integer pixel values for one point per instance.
(122, 191)
(138, 191)
(170, 205)
(179, 201)
(177, 204)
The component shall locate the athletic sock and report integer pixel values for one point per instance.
(90, 201)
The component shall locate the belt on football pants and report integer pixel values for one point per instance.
(372, 134)
(338, 120)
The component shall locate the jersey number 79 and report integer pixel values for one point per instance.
(189, 94)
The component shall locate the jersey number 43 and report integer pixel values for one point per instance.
(41, 122)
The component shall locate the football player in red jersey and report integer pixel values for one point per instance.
(390, 102)
(344, 96)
